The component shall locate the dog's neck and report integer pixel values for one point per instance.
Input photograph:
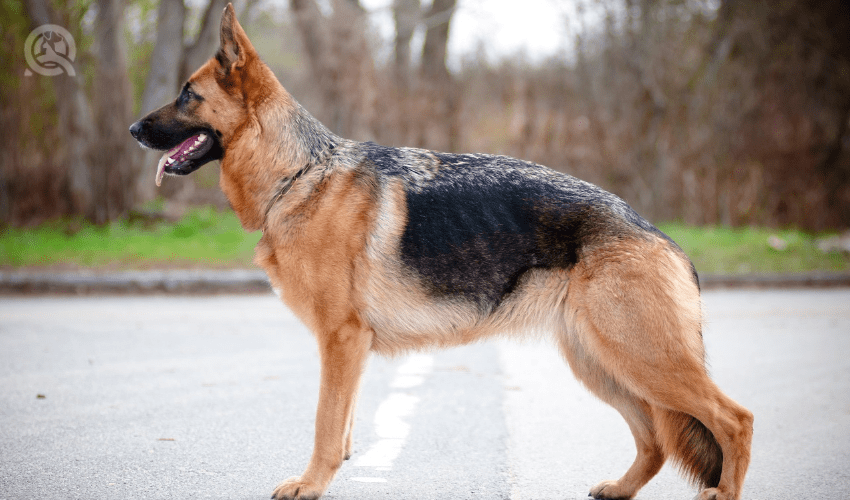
(280, 140)
(315, 140)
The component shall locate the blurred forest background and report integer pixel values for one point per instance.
(731, 112)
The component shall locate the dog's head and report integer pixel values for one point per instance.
(197, 127)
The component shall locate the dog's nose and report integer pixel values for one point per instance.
(136, 129)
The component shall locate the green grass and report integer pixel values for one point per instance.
(724, 250)
(207, 237)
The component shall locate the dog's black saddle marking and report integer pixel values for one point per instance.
(477, 223)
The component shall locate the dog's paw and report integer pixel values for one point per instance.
(714, 494)
(610, 490)
(295, 488)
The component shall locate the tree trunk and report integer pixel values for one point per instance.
(437, 92)
(162, 82)
(341, 65)
(114, 166)
(436, 39)
(315, 34)
(406, 16)
(74, 120)
(357, 79)
(205, 43)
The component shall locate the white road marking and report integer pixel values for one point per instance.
(413, 372)
(390, 424)
(391, 428)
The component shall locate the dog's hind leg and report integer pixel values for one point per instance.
(650, 456)
(637, 413)
(343, 354)
(636, 311)
(706, 433)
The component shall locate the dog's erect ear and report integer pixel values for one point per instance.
(235, 47)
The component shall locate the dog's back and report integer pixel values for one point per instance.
(476, 223)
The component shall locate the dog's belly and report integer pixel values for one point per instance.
(404, 315)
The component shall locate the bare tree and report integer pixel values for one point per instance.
(114, 171)
(163, 77)
(341, 65)
(406, 14)
(202, 47)
(437, 92)
(436, 39)
(94, 146)
(74, 119)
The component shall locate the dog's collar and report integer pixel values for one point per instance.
(285, 185)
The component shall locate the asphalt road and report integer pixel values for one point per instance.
(214, 397)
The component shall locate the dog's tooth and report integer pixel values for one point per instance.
(202, 137)
(169, 161)
(190, 148)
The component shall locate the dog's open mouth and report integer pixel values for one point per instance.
(188, 156)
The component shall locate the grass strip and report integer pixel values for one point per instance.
(208, 237)
(748, 250)
(204, 237)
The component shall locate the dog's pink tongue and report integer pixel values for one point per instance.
(170, 155)
(160, 169)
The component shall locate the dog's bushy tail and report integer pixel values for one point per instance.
(690, 446)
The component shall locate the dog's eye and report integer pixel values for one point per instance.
(188, 95)
(185, 96)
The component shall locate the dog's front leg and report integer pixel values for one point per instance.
(343, 356)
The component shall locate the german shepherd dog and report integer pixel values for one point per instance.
(387, 250)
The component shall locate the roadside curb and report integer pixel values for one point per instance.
(795, 280)
(177, 281)
(206, 281)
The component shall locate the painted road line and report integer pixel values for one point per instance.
(392, 414)
(413, 372)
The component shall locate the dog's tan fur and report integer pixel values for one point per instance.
(627, 317)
